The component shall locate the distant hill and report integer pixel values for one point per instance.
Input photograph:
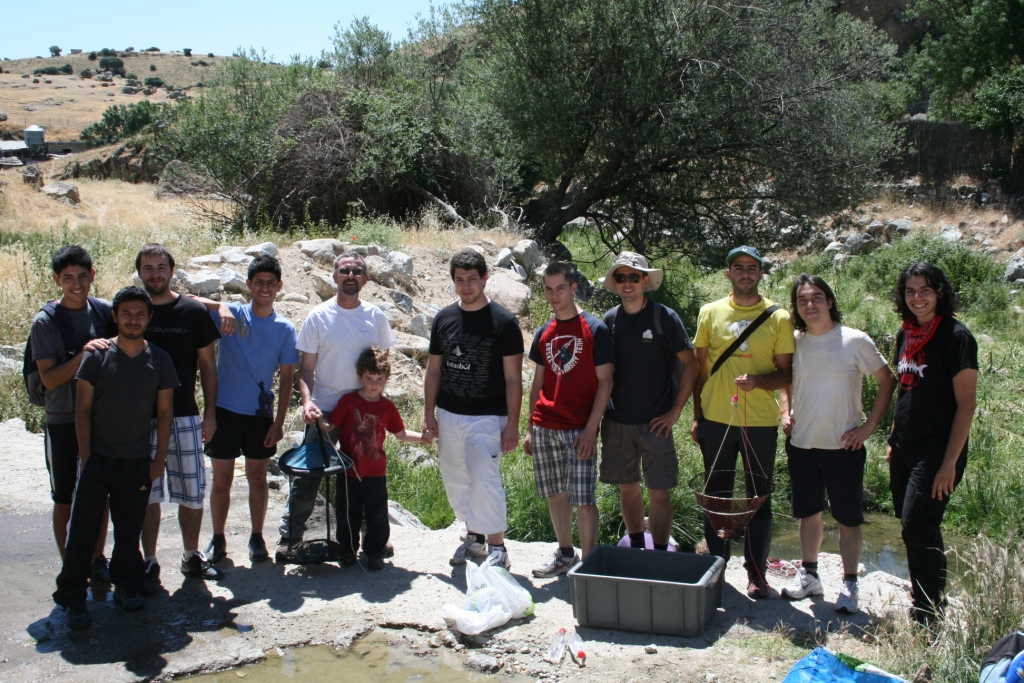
(67, 104)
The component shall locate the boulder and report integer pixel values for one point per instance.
(236, 256)
(859, 243)
(129, 90)
(898, 228)
(420, 325)
(322, 250)
(402, 264)
(401, 299)
(205, 261)
(398, 515)
(509, 293)
(203, 283)
(1014, 269)
(86, 73)
(834, 247)
(381, 271)
(32, 175)
(521, 273)
(232, 281)
(262, 249)
(66, 193)
(876, 229)
(295, 298)
(365, 250)
(417, 349)
(527, 253)
(325, 286)
(504, 258)
(950, 233)
(391, 312)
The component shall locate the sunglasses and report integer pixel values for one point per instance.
(632, 278)
(350, 271)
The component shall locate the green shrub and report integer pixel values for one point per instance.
(152, 67)
(107, 52)
(154, 81)
(187, 52)
(152, 49)
(120, 122)
(55, 51)
(46, 71)
(130, 75)
(92, 56)
(112, 64)
(209, 54)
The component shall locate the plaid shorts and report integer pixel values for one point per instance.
(556, 469)
(186, 467)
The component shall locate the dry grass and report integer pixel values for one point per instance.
(68, 103)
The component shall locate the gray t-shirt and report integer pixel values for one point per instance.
(47, 343)
(124, 398)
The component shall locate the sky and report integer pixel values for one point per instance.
(281, 28)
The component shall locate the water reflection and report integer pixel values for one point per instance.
(883, 544)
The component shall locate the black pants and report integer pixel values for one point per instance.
(126, 484)
(763, 441)
(366, 499)
(911, 475)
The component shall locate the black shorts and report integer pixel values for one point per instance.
(61, 443)
(240, 435)
(813, 471)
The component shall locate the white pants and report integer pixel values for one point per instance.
(469, 447)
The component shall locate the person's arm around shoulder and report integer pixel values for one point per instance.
(531, 402)
(52, 373)
(512, 366)
(164, 418)
(83, 419)
(855, 438)
(223, 310)
(208, 379)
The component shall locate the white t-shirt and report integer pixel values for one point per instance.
(337, 336)
(828, 373)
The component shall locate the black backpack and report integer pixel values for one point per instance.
(102, 320)
(673, 365)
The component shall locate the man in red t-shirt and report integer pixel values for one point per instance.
(571, 385)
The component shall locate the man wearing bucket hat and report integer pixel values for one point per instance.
(744, 347)
(655, 369)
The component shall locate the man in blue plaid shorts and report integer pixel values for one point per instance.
(571, 385)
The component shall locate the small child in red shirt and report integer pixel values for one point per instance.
(363, 419)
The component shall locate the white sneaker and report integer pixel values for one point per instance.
(469, 548)
(802, 585)
(558, 564)
(847, 600)
(498, 557)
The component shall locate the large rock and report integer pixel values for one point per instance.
(950, 233)
(323, 250)
(232, 281)
(205, 261)
(203, 283)
(859, 243)
(32, 175)
(326, 287)
(177, 179)
(417, 349)
(381, 271)
(402, 263)
(263, 249)
(504, 258)
(399, 516)
(1015, 268)
(420, 325)
(236, 256)
(391, 312)
(527, 253)
(898, 228)
(876, 229)
(509, 293)
(401, 299)
(66, 193)
(834, 247)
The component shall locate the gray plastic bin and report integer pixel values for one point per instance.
(648, 591)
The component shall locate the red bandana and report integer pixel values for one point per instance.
(915, 338)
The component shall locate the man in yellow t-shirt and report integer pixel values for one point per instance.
(752, 372)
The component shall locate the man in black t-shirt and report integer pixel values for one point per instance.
(121, 388)
(636, 433)
(184, 329)
(937, 365)
(474, 380)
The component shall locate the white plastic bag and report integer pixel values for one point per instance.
(493, 597)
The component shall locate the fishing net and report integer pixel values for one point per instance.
(729, 510)
(319, 542)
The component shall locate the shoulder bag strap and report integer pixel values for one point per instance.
(767, 313)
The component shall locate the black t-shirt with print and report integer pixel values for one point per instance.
(472, 346)
(925, 408)
(181, 328)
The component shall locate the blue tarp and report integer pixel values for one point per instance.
(823, 666)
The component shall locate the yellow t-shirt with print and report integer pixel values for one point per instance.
(718, 325)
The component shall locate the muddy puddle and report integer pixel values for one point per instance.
(883, 545)
(371, 659)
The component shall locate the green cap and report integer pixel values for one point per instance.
(745, 250)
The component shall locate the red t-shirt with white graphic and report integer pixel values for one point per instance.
(362, 428)
(570, 351)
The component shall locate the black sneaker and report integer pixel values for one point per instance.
(78, 616)
(216, 549)
(128, 599)
(199, 566)
(151, 582)
(348, 559)
(258, 549)
(375, 562)
(284, 550)
(101, 569)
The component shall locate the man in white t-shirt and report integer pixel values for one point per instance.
(826, 437)
(330, 340)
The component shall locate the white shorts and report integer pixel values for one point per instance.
(186, 466)
(469, 448)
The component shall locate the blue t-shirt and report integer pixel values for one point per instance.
(250, 357)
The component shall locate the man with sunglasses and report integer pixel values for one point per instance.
(751, 370)
(647, 398)
(330, 341)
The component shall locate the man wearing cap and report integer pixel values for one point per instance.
(752, 371)
(648, 395)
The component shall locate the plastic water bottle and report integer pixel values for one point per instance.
(557, 649)
(575, 644)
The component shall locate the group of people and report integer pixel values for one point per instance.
(123, 425)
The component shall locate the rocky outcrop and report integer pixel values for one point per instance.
(133, 164)
(65, 193)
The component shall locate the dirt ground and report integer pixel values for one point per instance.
(193, 626)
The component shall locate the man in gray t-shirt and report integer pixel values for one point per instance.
(60, 336)
(120, 390)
